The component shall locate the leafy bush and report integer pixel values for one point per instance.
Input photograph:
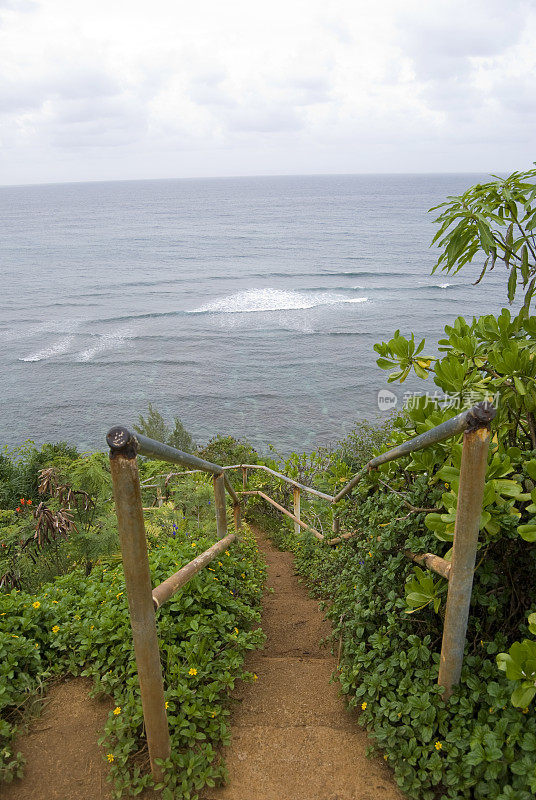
(496, 220)
(155, 427)
(475, 746)
(80, 625)
(19, 469)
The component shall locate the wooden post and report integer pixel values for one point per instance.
(237, 513)
(468, 512)
(159, 499)
(244, 478)
(335, 526)
(127, 496)
(296, 493)
(219, 500)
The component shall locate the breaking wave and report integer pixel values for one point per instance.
(56, 349)
(105, 342)
(259, 300)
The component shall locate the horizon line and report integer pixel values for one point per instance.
(243, 177)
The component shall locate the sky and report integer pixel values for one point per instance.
(113, 90)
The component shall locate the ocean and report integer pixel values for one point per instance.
(245, 306)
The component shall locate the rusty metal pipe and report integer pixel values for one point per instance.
(481, 413)
(297, 509)
(219, 504)
(230, 489)
(237, 514)
(171, 585)
(290, 481)
(433, 562)
(468, 513)
(127, 496)
(164, 452)
(283, 510)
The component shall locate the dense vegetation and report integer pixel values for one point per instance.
(78, 622)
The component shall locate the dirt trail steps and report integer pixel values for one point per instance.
(292, 738)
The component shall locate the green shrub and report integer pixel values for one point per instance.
(80, 625)
(475, 746)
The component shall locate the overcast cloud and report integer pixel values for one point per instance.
(167, 89)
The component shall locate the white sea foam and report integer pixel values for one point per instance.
(105, 342)
(56, 349)
(262, 300)
(443, 285)
(38, 329)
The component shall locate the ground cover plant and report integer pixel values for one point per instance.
(78, 624)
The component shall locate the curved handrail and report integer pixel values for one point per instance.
(482, 413)
(291, 481)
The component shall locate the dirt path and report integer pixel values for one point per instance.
(292, 738)
(63, 761)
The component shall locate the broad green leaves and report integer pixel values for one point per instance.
(494, 221)
(403, 354)
(519, 664)
(422, 590)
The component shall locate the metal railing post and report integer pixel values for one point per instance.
(237, 513)
(335, 525)
(296, 494)
(127, 496)
(468, 513)
(219, 500)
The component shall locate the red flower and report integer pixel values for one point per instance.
(17, 509)
(22, 501)
(28, 502)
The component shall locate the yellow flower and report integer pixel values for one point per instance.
(192, 671)
(525, 711)
(438, 746)
(55, 629)
(385, 757)
(236, 631)
(370, 554)
(117, 710)
(37, 604)
(364, 705)
(227, 553)
(167, 704)
(110, 757)
(255, 677)
(55, 601)
(119, 595)
(243, 575)
(213, 715)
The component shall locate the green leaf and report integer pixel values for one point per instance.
(512, 281)
(522, 695)
(527, 532)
